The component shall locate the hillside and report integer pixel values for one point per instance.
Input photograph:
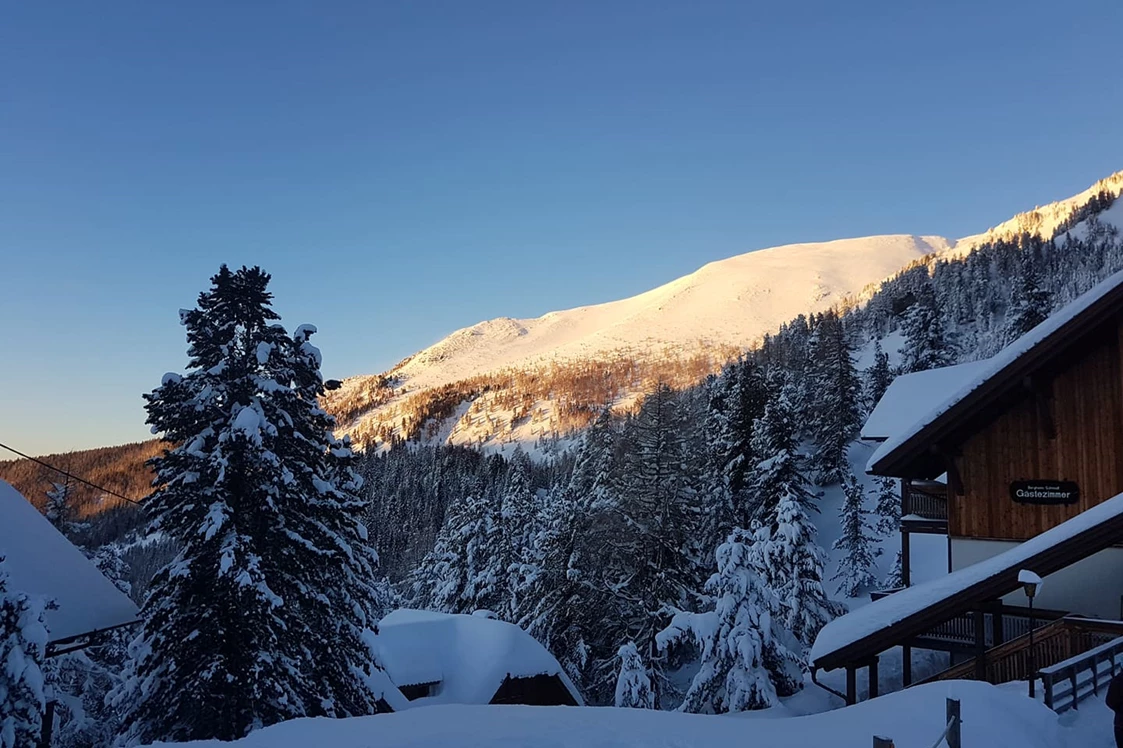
(507, 380)
(120, 469)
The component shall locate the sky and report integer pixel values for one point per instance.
(404, 169)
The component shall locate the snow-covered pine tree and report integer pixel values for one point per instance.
(566, 606)
(856, 569)
(736, 401)
(652, 560)
(633, 685)
(835, 399)
(1030, 304)
(331, 570)
(716, 499)
(465, 571)
(780, 469)
(23, 647)
(273, 576)
(888, 507)
(747, 660)
(895, 579)
(519, 518)
(59, 508)
(926, 340)
(790, 562)
(878, 377)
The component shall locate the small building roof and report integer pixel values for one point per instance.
(470, 656)
(906, 614)
(912, 396)
(909, 453)
(39, 560)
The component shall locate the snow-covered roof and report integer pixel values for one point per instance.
(39, 560)
(468, 655)
(1057, 327)
(884, 613)
(911, 396)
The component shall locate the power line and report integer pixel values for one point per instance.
(68, 474)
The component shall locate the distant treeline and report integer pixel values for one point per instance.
(119, 469)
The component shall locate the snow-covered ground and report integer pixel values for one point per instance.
(992, 717)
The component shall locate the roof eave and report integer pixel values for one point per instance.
(902, 462)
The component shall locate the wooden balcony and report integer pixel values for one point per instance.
(924, 507)
(1054, 642)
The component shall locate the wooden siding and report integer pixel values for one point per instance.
(1086, 403)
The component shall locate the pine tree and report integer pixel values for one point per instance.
(23, 645)
(835, 399)
(633, 685)
(895, 578)
(888, 508)
(261, 616)
(791, 564)
(747, 660)
(780, 470)
(465, 572)
(653, 563)
(519, 518)
(926, 341)
(855, 570)
(737, 400)
(1029, 303)
(566, 603)
(878, 377)
(59, 508)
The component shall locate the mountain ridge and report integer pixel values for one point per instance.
(725, 306)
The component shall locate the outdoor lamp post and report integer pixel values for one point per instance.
(1030, 584)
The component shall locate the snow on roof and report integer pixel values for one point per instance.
(469, 656)
(1004, 358)
(911, 396)
(880, 614)
(40, 561)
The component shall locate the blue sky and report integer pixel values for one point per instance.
(407, 168)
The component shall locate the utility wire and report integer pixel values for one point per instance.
(69, 475)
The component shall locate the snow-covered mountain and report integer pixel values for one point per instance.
(723, 307)
(731, 302)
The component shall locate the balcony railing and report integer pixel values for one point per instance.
(928, 501)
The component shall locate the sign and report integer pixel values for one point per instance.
(1045, 492)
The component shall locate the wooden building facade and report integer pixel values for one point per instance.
(1024, 454)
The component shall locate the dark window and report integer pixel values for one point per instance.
(418, 690)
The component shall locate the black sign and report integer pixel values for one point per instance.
(1045, 492)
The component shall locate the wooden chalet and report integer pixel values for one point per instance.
(1020, 463)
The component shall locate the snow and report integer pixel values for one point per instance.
(40, 561)
(911, 396)
(470, 656)
(994, 717)
(1006, 357)
(1043, 221)
(878, 615)
(1025, 576)
(731, 302)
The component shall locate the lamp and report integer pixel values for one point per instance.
(1031, 583)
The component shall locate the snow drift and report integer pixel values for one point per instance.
(992, 717)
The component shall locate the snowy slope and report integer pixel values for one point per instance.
(732, 302)
(992, 717)
(725, 305)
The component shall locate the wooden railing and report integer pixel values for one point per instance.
(1071, 681)
(927, 504)
(1053, 643)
